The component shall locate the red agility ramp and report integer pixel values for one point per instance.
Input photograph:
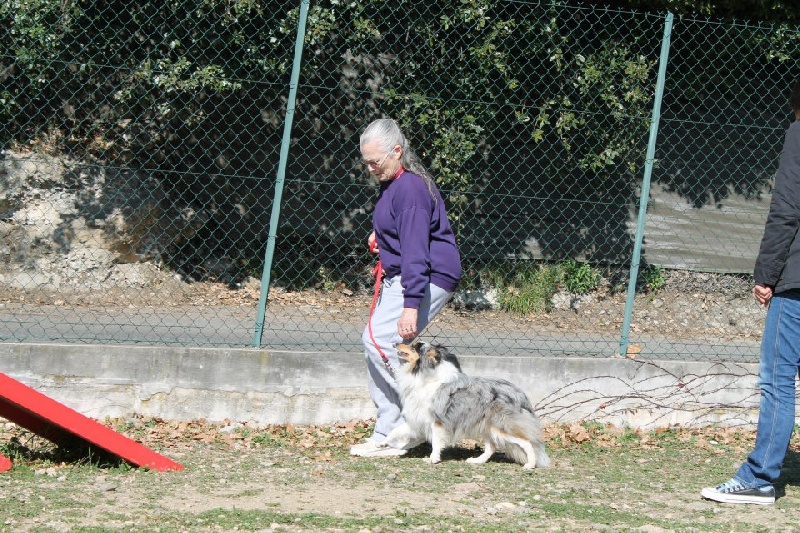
(5, 463)
(56, 422)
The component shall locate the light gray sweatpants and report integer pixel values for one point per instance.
(382, 386)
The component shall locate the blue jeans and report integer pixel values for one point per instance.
(780, 359)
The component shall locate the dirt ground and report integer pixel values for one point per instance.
(286, 478)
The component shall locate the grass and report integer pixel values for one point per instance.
(526, 287)
(287, 478)
(653, 277)
(529, 289)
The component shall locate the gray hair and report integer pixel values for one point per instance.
(386, 134)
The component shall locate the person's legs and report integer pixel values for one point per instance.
(780, 357)
(381, 332)
(780, 350)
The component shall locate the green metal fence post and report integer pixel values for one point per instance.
(645, 194)
(279, 181)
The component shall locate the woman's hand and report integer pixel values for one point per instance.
(407, 325)
(372, 242)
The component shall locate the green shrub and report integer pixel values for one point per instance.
(653, 277)
(580, 278)
(529, 289)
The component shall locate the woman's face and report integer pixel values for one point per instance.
(383, 165)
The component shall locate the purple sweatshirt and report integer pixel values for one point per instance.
(415, 240)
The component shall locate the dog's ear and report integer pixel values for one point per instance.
(442, 350)
(432, 353)
(446, 355)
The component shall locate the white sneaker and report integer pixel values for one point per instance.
(734, 492)
(370, 448)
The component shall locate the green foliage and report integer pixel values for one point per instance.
(171, 57)
(264, 439)
(449, 119)
(528, 289)
(629, 436)
(580, 278)
(653, 277)
(104, 74)
(483, 276)
(612, 83)
(35, 38)
(454, 142)
(36, 30)
(780, 45)
(777, 11)
(326, 283)
(195, 94)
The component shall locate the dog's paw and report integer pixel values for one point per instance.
(529, 466)
(433, 460)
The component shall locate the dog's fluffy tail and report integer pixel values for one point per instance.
(542, 459)
(524, 426)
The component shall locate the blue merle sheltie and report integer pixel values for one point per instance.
(443, 405)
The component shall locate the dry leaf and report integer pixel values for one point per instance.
(633, 350)
(578, 433)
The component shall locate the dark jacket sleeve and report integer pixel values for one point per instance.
(783, 219)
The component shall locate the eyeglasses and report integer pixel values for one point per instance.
(376, 163)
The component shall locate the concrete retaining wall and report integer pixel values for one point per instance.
(274, 387)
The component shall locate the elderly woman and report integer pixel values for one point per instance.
(421, 266)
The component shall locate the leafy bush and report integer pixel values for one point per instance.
(529, 289)
(580, 278)
(653, 278)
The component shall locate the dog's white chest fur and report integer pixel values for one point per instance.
(418, 392)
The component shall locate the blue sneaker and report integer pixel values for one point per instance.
(734, 492)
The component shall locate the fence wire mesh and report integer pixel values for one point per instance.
(145, 145)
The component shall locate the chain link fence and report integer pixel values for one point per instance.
(188, 172)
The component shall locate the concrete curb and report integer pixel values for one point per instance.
(264, 387)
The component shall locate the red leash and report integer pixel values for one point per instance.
(378, 273)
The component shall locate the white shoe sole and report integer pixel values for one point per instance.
(377, 452)
(710, 493)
